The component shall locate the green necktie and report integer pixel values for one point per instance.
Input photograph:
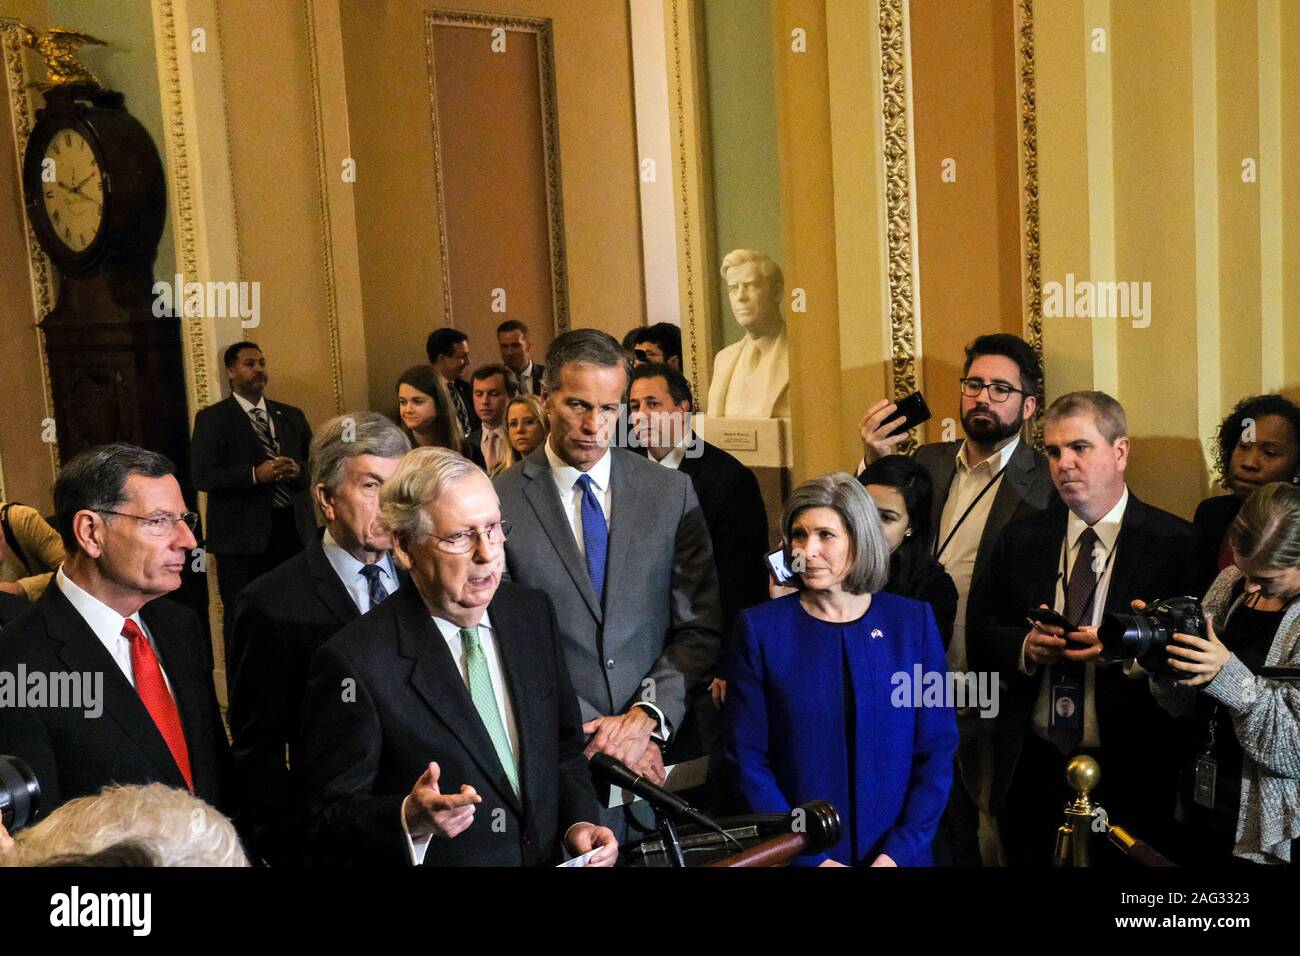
(485, 702)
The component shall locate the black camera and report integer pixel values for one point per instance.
(1144, 635)
(20, 793)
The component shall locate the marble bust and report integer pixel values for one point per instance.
(751, 378)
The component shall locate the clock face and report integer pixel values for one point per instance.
(74, 199)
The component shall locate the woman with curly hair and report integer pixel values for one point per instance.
(1258, 443)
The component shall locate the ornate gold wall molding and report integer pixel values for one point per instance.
(900, 253)
(22, 115)
(540, 28)
(181, 188)
(683, 74)
(327, 232)
(1032, 292)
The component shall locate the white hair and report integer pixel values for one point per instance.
(172, 826)
(422, 476)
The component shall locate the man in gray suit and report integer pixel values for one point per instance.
(621, 546)
(980, 486)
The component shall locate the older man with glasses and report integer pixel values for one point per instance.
(981, 485)
(129, 696)
(441, 728)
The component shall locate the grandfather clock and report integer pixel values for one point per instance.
(96, 198)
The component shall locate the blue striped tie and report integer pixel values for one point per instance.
(595, 536)
(374, 585)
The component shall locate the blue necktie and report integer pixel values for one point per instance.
(378, 592)
(595, 536)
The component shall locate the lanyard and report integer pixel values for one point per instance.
(1065, 581)
(969, 508)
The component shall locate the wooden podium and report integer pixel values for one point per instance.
(772, 839)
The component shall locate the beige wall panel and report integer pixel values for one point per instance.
(964, 104)
(1290, 193)
(388, 102)
(1155, 241)
(1063, 184)
(494, 184)
(1237, 40)
(274, 172)
(807, 215)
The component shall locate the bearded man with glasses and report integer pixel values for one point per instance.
(981, 484)
(147, 711)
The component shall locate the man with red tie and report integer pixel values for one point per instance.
(127, 691)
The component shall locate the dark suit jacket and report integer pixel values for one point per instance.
(280, 621)
(1153, 561)
(1212, 519)
(466, 393)
(658, 632)
(1026, 489)
(74, 755)
(362, 756)
(737, 520)
(11, 606)
(224, 451)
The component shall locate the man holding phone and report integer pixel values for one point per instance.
(980, 485)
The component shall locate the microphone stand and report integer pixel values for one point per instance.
(672, 845)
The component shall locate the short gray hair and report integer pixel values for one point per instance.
(844, 494)
(95, 480)
(583, 347)
(766, 264)
(350, 435)
(1267, 528)
(1107, 413)
(421, 478)
(172, 825)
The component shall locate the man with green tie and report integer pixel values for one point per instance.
(441, 727)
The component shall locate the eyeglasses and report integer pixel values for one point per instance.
(998, 392)
(462, 542)
(159, 525)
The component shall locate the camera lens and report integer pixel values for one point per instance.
(20, 793)
(1126, 636)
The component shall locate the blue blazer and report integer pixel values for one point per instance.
(811, 715)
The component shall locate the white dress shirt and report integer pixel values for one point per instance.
(487, 640)
(107, 625)
(566, 482)
(958, 558)
(349, 568)
(1103, 557)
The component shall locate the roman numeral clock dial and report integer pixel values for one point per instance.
(74, 201)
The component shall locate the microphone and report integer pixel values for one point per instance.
(619, 774)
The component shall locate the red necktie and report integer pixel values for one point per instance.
(157, 699)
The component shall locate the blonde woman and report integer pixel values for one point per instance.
(526, 430)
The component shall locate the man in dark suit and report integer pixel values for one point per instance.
(146, 711)
(448, 351)
(980, 485)
(441, 727)
(659, 400)
(285, 616)
(517, 354)
(493, 386)
(622, 548)
(1093, 554)
(250, 455)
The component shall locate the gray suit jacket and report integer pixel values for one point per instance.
(1026, 489)
(658, 634)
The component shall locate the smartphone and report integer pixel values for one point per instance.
(781, 572)
(1050, 618)
(911, 411)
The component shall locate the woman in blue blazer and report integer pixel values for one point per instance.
(823, 701)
